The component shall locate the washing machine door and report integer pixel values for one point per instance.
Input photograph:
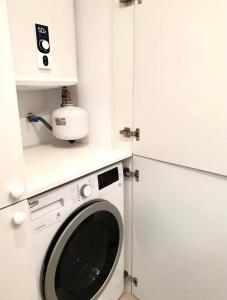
(84, 253)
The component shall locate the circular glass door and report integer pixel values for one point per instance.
(84, 255)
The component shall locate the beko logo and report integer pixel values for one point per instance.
(34, 203)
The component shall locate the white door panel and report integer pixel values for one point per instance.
(17, 274)
(180, 233)
(181, 82)
(11, 154)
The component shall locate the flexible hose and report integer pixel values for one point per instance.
(33, 118)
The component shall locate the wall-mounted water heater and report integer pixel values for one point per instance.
(43, 42)
(69, 123)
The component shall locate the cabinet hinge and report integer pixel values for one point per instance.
(127, 132)
(130, 2)
(130, 278)
(128, 173)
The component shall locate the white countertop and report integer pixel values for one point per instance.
(48, 166)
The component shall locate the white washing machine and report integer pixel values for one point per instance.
(78, 238)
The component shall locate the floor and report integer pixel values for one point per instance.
(127, 297)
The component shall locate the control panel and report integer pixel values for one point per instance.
(91, 187)
(54, 206)
(43, 46)
(85, 189)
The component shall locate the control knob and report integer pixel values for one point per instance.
(86, 190)
(44, 45)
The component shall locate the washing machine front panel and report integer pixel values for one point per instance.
(50, 210)
(84, 253)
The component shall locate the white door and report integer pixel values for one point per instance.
(180, 100)
(180, 233)
(11, 156)
(17, 275)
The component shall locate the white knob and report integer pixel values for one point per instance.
(86, 190)
(19, 218)
(44, 45)
(17, 191)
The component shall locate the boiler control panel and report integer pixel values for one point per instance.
(43, 46)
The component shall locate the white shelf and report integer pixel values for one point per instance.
(42, 83)
(48, 166)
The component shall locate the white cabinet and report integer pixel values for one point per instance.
(180, 225)
(11, 154)
(181, 82)
(59, 17)
(180, 92)
(17, 273)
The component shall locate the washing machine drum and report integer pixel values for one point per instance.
(84, 253)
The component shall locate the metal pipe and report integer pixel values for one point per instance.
(33, 118)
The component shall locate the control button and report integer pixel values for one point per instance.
(45, 60)
(86, 190)
(44, 45)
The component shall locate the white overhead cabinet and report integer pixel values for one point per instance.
(16, 272)
(44, 54)
(181, 82)
(11, 153)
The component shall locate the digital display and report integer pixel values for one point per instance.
(41, 30)
(42, 35)
(108, 178)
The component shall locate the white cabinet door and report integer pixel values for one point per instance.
(17, 275)
(11, 154)
(180, 229)
(181, 82)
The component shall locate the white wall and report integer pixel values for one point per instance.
(123, 55)
(94, 57)
(41, 103)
